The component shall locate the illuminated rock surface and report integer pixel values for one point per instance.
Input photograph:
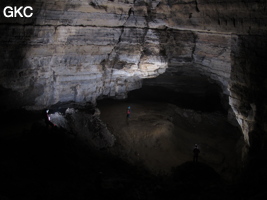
(83, 50)
(87, 50)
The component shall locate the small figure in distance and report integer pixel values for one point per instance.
(196, 151)
(48, 123)
(128, 112)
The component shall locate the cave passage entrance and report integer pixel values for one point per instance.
(169, 115)
(190, 92)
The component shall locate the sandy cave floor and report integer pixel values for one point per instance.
(161, 136)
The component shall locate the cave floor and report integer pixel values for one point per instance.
(36, 163)
(161, 136)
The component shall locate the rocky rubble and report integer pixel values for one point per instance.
(83, 122)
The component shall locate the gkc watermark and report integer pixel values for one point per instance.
(15, 11)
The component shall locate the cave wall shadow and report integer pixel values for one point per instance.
(182, 83)
(249, 100)
(15, 37)
(195, 93)
(249, 88)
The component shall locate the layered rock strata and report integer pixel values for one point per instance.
(248, 88)
(83, 50)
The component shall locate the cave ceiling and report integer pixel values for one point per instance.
(82, 50)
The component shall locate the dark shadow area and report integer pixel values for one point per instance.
(248, 75)
(40, 163)
(61, 107)
(255, 176)
(191, 93)
(50, 164)
(15, 37)
(195, 173)
(201, 179)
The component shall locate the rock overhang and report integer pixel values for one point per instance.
(81, 50)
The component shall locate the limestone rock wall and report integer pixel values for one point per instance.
(81, 63)
(84, 49)
(248, 88)
(212, 57)
(236, 16)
